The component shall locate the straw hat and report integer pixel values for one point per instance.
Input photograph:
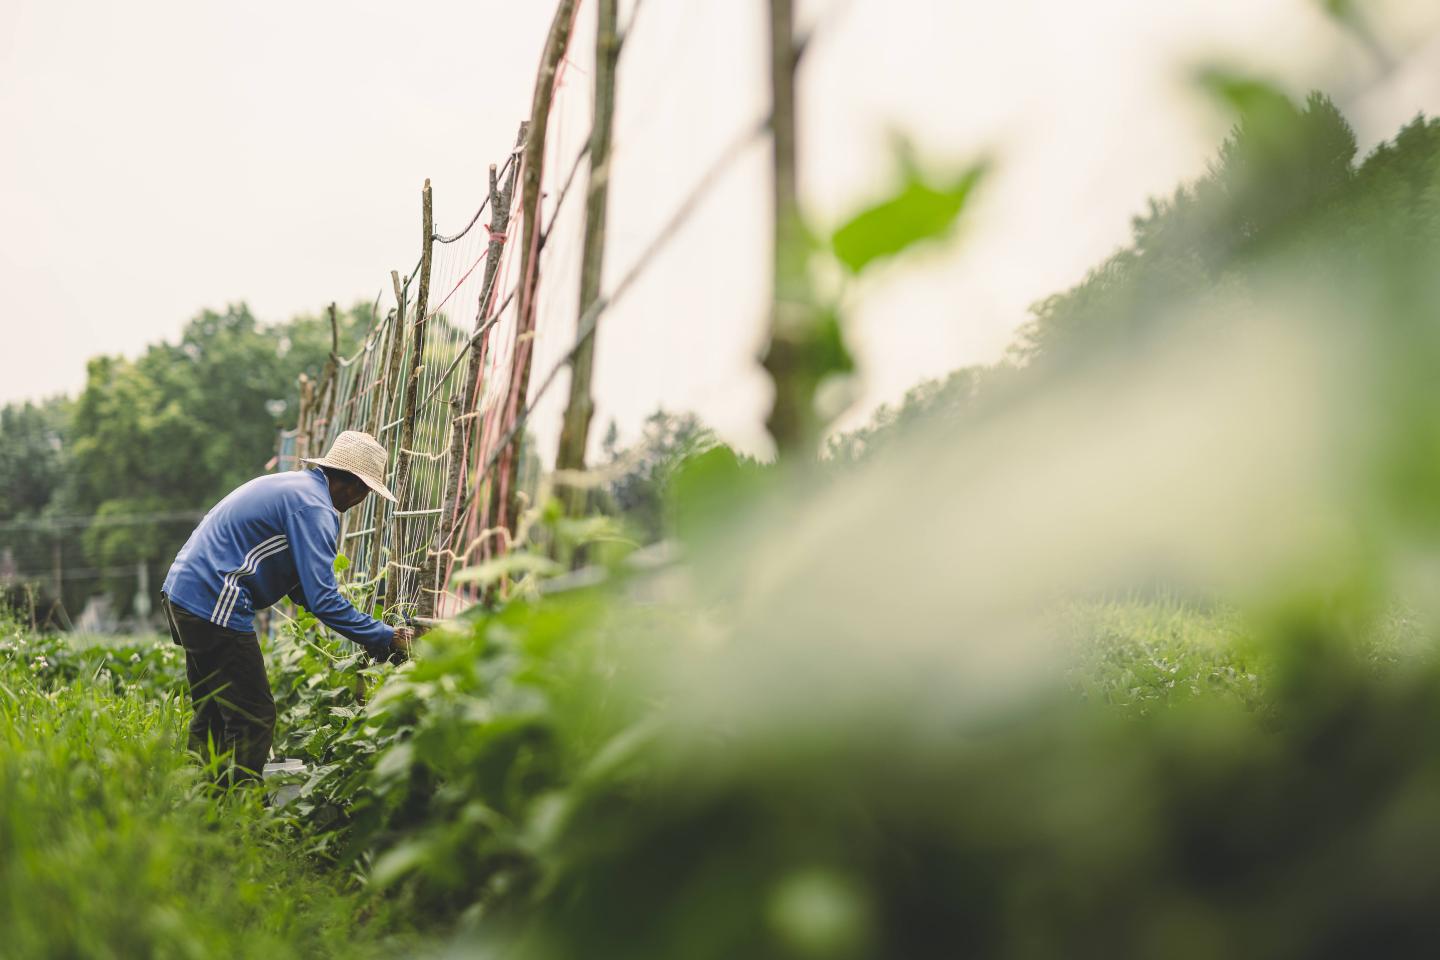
(358, 453)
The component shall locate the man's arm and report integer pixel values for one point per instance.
(312, 532)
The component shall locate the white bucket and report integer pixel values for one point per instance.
(284, 777)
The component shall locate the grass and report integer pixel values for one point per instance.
(110, 845)
(1146, 656)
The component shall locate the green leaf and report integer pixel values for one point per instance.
(395, 762)
(1339, 9)
(918, 211)
(395, 863)
(342, 563)
(708, 491)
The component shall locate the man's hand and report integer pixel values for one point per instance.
(404, 636)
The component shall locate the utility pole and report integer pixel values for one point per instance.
(141, 602)
(57, 568)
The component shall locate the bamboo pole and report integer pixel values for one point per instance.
(575, 430)
(412, 382)
(504, 502)
(792, 419)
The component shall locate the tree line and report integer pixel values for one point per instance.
(185, 422)
(163, 435)
(1285, 201)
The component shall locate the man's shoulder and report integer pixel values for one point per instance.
(290, 490)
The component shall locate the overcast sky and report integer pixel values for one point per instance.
(162, 157)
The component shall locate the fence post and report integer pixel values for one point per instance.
(503, 495)
(412, 383)
(462, 418)
(575, 430)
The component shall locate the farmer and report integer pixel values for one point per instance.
(270, 538)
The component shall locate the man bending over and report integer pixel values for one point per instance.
(270, 538)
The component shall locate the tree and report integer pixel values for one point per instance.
(33, 467)
(183, 424)
(1279, 174)
(638, 473)
(949, 398)
(32, 456)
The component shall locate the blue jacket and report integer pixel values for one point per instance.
(270, 538)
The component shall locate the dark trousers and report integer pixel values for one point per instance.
(234, 709)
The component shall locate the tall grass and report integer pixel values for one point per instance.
(111, 845)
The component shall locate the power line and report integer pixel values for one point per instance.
(75, 573)
(108, 520)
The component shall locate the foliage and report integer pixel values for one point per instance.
(894, 713)
(440, 774)
(945, 400)
(173, 430)
(32, 461)
(109, 846)
(807, 356)
(1056, 830)
(920, 210)
(33, 465)
(523, 774)
(1282, 171)
(636, 475)
(1147, 657)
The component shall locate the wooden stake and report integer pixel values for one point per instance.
(575, 430)
(504, 503)
(412, 382)
(334, 334)
(792, 418)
